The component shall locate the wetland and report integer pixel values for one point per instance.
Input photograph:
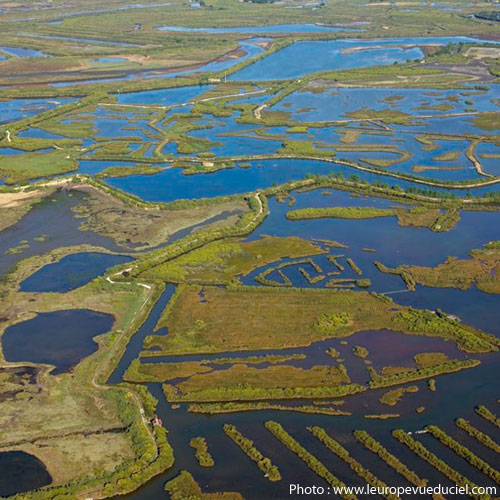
(228, 263)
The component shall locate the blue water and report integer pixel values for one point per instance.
(172, 184)
(305, 57)
(23, 108)
(60, 338)
(491, 165)
(110, 60)
(10, 151)
(147, 328)
(71, 272)
(53, 219)
(277, 28)
(22, 52)
(335, 104)
(38, 133)
(163, 97)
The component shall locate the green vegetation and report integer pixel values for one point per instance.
(232, 407)
(477, 434)
(310, 460)
(336, 448)
(199, 444)
(465, 453)
(411, 375)
(247, 446)
(375, 447)
(184, 486)
(420, 450)
(243, 383)
(479, 270)
(160, 372)
(354, 266)
(392, 398)
(126, 171)
(488, 415)
(299, 317)
(341, 212)
(19, 168)
(360, 351)
(220, 261)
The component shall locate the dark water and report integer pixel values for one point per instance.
(71, 272)
(60, 338)
(456, 394)
(21, 472)
(50, 224)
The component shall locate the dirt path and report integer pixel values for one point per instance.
(258, 111)
(470, 153)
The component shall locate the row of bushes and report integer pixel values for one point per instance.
(436, 322)
(421, 373)
(247, 446)
(246, 392)
(310, 460)
(480, 436)
(420, 450)
(392, 461)
(245, 224)
(336, 448)
(482, 411)
(231, 407)
(465, 453)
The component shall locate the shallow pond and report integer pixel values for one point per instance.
(16, 109)
(163, 97)
(110, 60)
(22, 52)
(71, 272)
(50, 224)
(305, 57)
(20, 471)
(60, 338)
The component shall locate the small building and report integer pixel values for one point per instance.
(156, 420)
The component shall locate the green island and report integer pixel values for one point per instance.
(481, 270)
(199, 444)
(184, 486)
